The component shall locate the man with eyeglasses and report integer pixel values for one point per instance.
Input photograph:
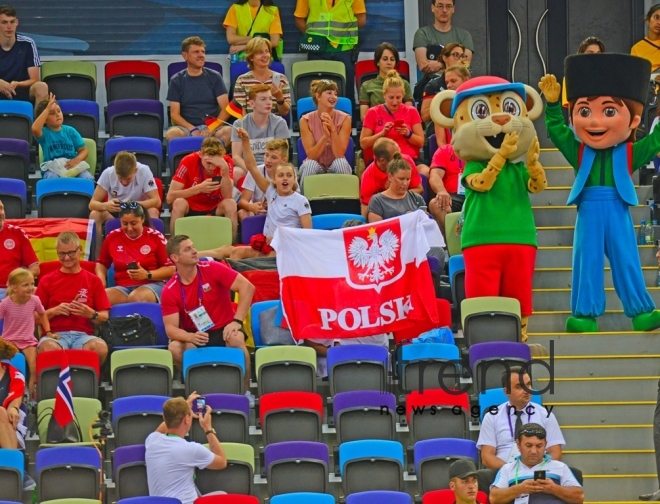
(533, 476)
(75, 302)
(15, 251)
(497, 435)
(429, 40)
(19, 62)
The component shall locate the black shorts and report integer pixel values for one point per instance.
(216, 339)
(457, 201)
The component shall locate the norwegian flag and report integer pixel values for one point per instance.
(358, 281)
(63, 410)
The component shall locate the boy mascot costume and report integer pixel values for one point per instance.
(492, 122)
(605, 108)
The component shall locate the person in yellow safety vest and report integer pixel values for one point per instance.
(247, 19)
(332, 26)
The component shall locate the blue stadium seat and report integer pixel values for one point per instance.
(15, 158)
(251, 226)
(255, 324)
(306, 104)
(178, 148)
(135, 417)
(12, 463)
(489, 359)
(148, 151)
(429, 358)
(83, 116)
(433, 458)
(16, 120)
(64, 197)
(371, 465)
(214, 370)
(333, 221)
(130, 472)
(302, 498)
(177, 66)
(135, 118)
(150, 310)
(18, 361)
(68, 472)
(379, 496)
(357, 367)
(359, 415)
(113, 224)
(13, 193)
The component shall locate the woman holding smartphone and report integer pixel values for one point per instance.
(139, 256)
(396, 120)
(257, 55)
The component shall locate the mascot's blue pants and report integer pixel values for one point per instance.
(604, 227)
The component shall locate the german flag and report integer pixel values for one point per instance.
(43, 234)
(234, 109)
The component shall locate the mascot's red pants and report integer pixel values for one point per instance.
(501, 270)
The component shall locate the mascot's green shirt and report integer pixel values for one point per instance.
(564, 139)
(502, 215)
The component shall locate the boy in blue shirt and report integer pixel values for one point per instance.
(59, 141)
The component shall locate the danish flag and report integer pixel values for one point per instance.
(63, 410)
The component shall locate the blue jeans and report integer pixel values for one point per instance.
(83, 175)
(70, 340)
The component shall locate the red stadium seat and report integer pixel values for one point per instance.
(85, 373)
(447, 496)
(367, 69)
(227, 499)
(132, 79)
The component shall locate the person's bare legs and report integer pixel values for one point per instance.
(38, 92)
(49, 345)
(228, 208)
(224, 135)
(244, 252)
(179, 208)
(8, 437)
(30, 354)
(139, 295)
(99, 219)
(424, 170)
(177, 348)
(222, 252)
(174, 132)
(154, 213)
(99, 347)
(237, 340)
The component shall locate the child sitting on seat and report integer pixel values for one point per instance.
(63, 148)
(18, 310)
(285, 207)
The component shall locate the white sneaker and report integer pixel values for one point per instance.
(250, 396)
(28, 482)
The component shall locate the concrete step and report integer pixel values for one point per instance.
(560, 299)
(555, 236)
(603, 412)
(549, 322)
(566, 367)
(558, 195)
(618, 437)
(606, 461)
(566, 215)
(561, 257)
(550, 157)
(619, 488)
(601, 344)
(585, 388)
(557, 278)
(564, 175)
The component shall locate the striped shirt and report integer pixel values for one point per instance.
(15, 62)
(243, 83)
(19, 321)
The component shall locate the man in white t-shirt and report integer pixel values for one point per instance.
(261, 125)
(127, 180)
(497, 435)
(533, 477)
(253, 200)
(171, 460)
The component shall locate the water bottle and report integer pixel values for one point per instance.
(642, 231)
(648, 234)
(233, 58)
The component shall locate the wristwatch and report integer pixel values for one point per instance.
(280, 102)
(94, 315)
(148, 275)
(212, 431)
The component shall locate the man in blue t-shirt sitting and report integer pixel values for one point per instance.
(197, 94)
(19, 62)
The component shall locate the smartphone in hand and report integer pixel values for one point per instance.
(539, 475)
(200, 406)
(276, 79)
(217, 178)
(398, 123)
(132, 265)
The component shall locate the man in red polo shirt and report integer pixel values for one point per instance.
(15, 251)
(203, 184)
(445, 181)
(374, 179)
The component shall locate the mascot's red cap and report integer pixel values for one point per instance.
(485, 84)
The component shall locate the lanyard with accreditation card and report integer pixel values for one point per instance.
(199, 315)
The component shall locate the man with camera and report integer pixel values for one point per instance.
(533, 476)
(171, 460)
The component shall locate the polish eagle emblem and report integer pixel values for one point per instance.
(374, 257)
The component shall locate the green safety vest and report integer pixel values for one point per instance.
(338, 25)
(262, 23)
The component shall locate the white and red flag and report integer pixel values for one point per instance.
(357, 281)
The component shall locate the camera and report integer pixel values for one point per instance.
(104, 424)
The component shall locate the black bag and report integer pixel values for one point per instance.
(132, 330)
(56, 434)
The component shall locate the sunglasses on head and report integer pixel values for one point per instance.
(531, 432)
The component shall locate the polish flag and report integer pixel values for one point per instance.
(357, 281)
(63, 410)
